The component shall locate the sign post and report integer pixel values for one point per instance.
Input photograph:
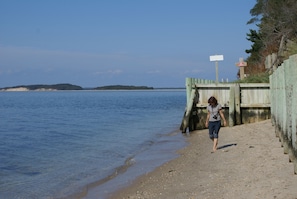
(216, 58)
(241, 64)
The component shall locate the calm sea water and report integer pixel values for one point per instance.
(61, 144)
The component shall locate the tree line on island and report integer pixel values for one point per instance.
(123, 87)
(75, 87)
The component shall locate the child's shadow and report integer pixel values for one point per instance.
(227, 145)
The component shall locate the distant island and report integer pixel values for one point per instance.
(42, 87)
(121, 87)
(56, 87)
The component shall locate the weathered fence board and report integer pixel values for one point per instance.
(284, 106)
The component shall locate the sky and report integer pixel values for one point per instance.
(91, 43)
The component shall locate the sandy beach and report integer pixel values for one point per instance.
(250, 163)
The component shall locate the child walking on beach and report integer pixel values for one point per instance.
(213, 120)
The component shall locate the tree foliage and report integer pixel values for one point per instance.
(277, 32)
(256, 78)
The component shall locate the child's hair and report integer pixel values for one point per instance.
(213, 100)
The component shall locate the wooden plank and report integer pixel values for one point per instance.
(255, 85)
(237, 104)
(189, 88)
(227, 85)
(213, 85)
(255, 105)
(232, 106)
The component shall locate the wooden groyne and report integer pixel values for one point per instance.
(242, 103)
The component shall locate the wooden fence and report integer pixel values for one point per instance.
(284, 106)
(242, 103)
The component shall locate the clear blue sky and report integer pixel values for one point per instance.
(129, 42)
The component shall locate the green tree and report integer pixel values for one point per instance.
(254, 58)
(277, 33)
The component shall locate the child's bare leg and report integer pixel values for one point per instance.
(215, 144)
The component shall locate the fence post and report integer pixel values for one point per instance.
(232, 106)
(237, 104)
(293, 63)
(188, 88)
(185, 121)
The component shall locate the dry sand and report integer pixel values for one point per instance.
(250, 163)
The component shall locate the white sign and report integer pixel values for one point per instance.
(216, 58)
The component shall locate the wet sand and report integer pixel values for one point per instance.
(250, 163)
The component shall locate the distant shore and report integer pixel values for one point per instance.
(26, 89)
(57, 87)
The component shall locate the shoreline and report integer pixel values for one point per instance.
(142, 163)
(249, 163)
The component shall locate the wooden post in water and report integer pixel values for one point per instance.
(188, 112)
